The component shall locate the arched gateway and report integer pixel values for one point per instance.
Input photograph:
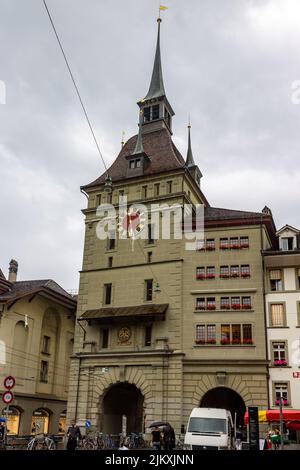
(122, 399)
(223, 397)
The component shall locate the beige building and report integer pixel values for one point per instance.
(161, 329)
(36, 343)
(282, 284)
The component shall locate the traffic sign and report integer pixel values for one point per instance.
(7, 397)
(88, 424)
(9, 382)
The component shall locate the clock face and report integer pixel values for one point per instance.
(124, 334)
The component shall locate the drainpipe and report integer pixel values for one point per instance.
(265, 310)
(77, 391)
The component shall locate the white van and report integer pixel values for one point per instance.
(209, 428)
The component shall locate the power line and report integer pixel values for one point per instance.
(75, 86)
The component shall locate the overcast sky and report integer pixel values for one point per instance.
(230, 64)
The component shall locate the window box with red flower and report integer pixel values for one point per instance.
(245, 275)
(236, 341)
(236, 306)
(210, 276)
(210, 248)
(200, 341)
(211, 307)
(200, 307)
(224, 276)
(280, 363)
(211, 341)
(284, 402)
(235, 246)
(225, 341)
(246, 307)
(225, 307)
(247, 341)
(224, 247)
(244, 245)
(234, 275)
(200, 276)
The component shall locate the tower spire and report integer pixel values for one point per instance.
(156, 88)
(139, 148)
(189, 158)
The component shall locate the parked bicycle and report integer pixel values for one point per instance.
(41, 442)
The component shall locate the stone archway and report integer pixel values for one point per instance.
(122, 399)
(223, 397)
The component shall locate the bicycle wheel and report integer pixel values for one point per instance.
(88, 445)
(51, 445)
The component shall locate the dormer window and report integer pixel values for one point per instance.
(135, 163)
(287, 243)
(151, 113)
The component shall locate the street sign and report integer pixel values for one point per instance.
(7, 397)
(253, 428)
(9, 382)
(88, 424)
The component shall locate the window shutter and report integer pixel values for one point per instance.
(275, 274)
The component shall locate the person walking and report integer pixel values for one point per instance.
(73, 434)
(169, 437)
(238, 438)
(156, 438)
(276, 439)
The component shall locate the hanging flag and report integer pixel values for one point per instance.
(162, 7)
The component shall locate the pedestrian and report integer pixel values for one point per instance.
(238, 438)
(276, 439)
(267, 443)
(156, 438)
(73, 434)
(168, 437)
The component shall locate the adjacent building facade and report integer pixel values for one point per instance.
(282, 281)
(36, 343)
(161, 329)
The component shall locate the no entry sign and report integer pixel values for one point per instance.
(9, 382)
(7, 397)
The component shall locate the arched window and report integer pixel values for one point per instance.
(19, 356)
(12, 416)
(62, 422)
(40, 421)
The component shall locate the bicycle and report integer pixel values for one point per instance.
(41, 442)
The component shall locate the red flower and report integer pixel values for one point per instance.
(236, 306)
(235, 246)
(234, 275)
(211, 307)
(244, 245)
(210, 276)
(247, 341)
(245, 274)
(211, 341)
(225, 341)
(236, 341)
(225, 307)
(246, 307)
(224, 276)
(210, 248)
(200, 276)
(200, 341)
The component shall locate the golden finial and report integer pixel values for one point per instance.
(123, 136)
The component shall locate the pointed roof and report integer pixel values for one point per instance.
(190, 158)
(156, 89)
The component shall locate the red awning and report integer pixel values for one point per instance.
(290, 417)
